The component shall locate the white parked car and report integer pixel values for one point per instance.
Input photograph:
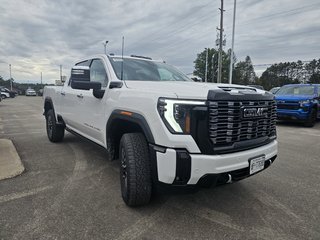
(4, 95)
(31, 92)
(166, 129)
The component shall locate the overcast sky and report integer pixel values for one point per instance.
(38, 36)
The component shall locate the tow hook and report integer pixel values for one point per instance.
(229, 178)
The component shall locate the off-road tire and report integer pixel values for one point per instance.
(55, 132)
(311, 121)
(135, 172)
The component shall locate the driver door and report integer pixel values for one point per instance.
(92, 113)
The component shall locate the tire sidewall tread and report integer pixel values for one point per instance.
(58, 131)
(139, 183)
(312, 118)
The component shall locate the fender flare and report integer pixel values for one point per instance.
(47, 100)
(134, 118)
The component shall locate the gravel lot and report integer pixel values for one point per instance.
(71, 191)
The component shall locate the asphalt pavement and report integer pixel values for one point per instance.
(70, 190)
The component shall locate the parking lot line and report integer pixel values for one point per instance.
(15, 196)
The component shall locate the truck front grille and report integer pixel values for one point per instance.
(229, 126)
(288, 106)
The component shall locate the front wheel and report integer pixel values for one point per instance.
(54, 131)
(311, 121)
(135, 172)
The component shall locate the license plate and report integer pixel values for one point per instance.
(257, 164)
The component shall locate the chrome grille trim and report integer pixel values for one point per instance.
(227, 125)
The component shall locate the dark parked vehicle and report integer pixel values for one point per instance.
(300, 102)
(5, 92)
(40, 92)
(274, 90)
(256, 86)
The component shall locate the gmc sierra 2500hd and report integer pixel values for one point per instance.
(164, 128)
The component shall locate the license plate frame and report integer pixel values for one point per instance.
(256, 164)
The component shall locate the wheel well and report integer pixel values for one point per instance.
(115, 131)
(47, 106)
(317, 110)
(314, 107)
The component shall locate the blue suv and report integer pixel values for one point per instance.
(299, 102)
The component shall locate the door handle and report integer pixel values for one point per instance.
(63, 93)
(80, 96)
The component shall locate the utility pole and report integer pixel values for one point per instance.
(60, 72)
(232, 45)
(206, 73)
(10, 77)
(41, 78)
(212, 61)
(220, 44)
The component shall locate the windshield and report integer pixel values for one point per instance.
(142, 70)
(296, 90)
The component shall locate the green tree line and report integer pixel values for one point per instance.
(20, 87)
(277, 74)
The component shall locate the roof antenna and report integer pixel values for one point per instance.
(122, 58)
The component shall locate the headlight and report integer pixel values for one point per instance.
(176, 114)
(304, 102)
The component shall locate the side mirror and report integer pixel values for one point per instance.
(85, 85)
(80, 77)
(115, 84)
(95, 86)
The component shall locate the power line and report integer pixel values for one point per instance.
(279, 13)
(185, 26)
(179, 43)
(175, 44)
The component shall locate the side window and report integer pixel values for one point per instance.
(98, 72)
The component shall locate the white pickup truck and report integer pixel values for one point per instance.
(164, 128)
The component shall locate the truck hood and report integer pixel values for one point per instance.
(186, 90)
(293, 97)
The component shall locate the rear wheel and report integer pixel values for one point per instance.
(135, 173)
(54, 131)
(311, 121)
(3, 96)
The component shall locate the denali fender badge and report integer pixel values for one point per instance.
(254, 112)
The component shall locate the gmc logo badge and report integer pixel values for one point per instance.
(254, 112)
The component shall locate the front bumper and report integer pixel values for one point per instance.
(299, 114)
(178, 167)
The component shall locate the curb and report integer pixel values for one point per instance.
(10, 162)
